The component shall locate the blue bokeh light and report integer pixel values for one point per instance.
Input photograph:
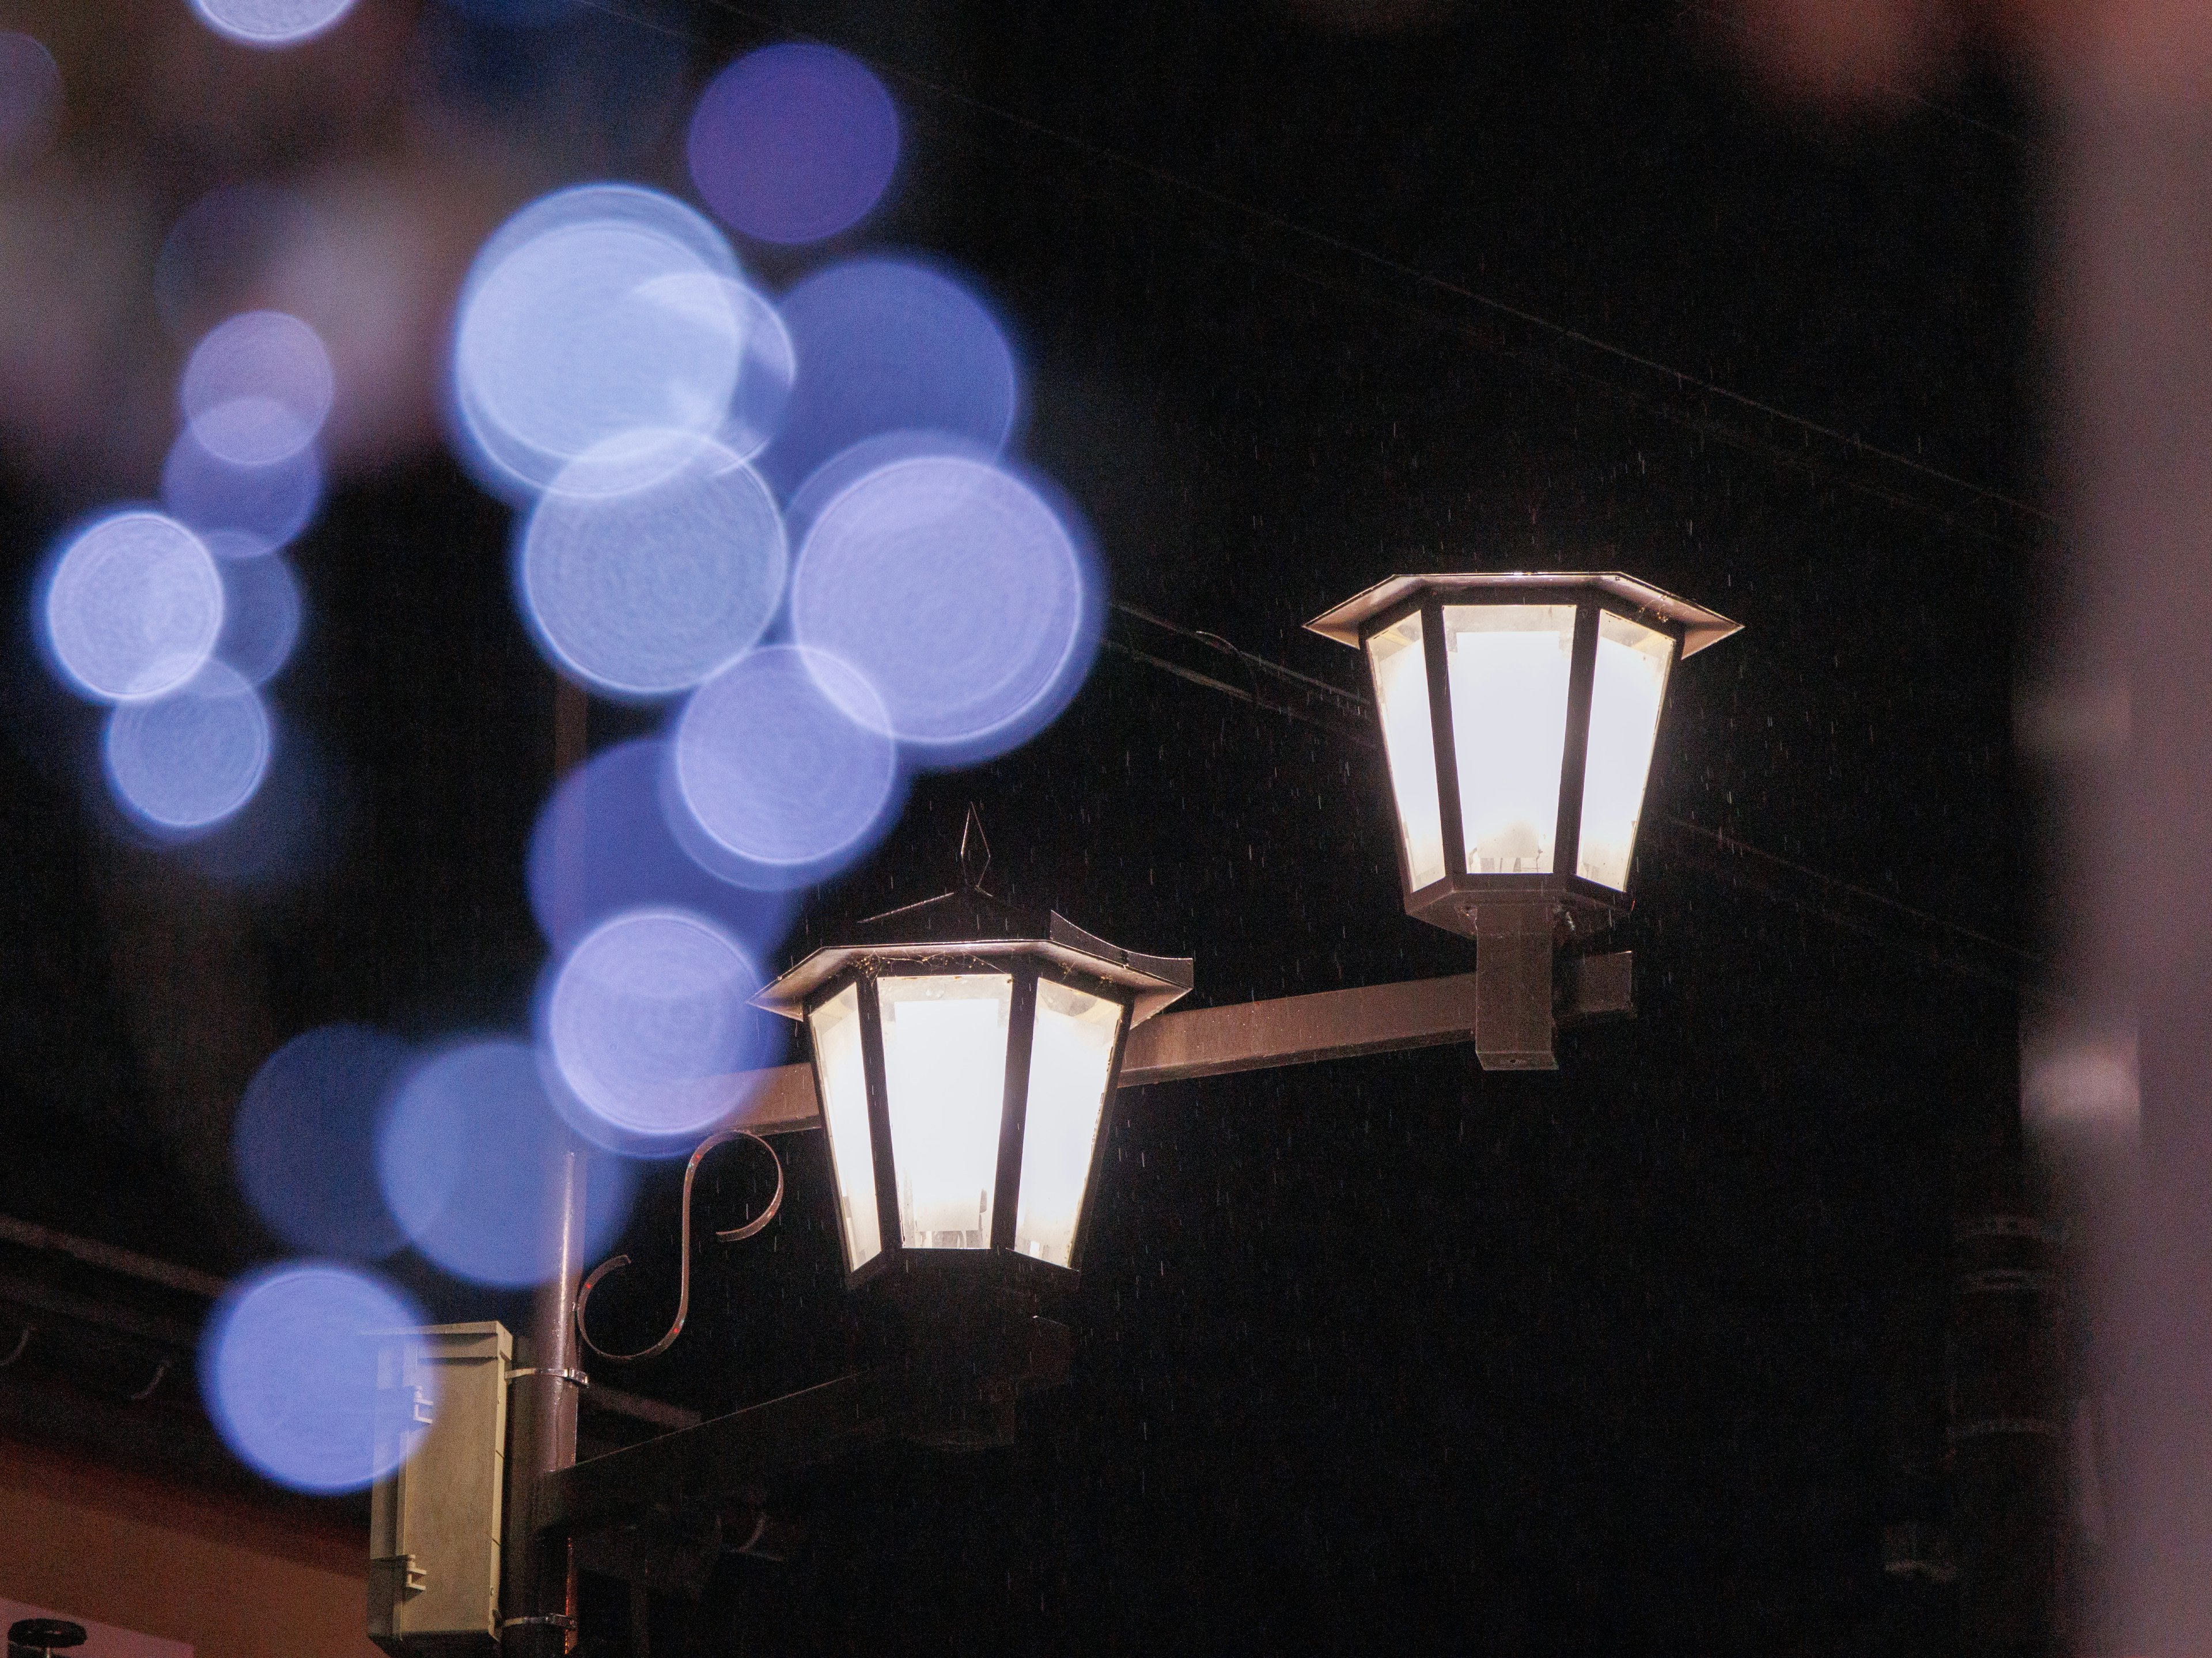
(133, 606)
(272, 503)
(232, 546)
(256, 388)
(288, 1369)
(30, 96)
(261, 617)
(269, 23)
(646, 591)
(186, 761)
(290, 834)
(650, 1026)
(842, 471)
(888, 345)
(767, 371)
(602, 845)
(467, 1157)
(305, 1141)
(777, 785)
(584, 319)
(963, 595)
(793, 143)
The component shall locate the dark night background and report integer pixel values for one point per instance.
(1378, 1355)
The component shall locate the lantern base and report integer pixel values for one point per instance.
(968, 1341)
(1520, 924)
(1578, 909)
(1513, 987)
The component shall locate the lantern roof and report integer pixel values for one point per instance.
(1700, 627)
(971, 924)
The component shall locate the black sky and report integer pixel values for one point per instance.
(1388, 1354)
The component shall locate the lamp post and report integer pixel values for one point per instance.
(961, 1065)
(1519, 714)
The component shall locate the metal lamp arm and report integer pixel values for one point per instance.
(735, 1234)
(1329, 1024)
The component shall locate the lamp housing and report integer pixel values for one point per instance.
(1519, 714)
(963, 1079)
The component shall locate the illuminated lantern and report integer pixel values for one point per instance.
(963, 1081)
(1519, 715)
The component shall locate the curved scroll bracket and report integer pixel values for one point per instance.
(735, 1234)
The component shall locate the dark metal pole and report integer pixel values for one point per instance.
(538, 1592)
(537, 1569)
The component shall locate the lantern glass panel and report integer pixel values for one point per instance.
(836, 1027)
(1401, 667)
(1070, 1058)
(1508, 666)
(1626, 697)
(945, 1069)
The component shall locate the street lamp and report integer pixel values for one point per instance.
(962, 1070)
(1519, 712)
(962, 1066)
(963, 1079)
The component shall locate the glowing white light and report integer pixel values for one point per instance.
(271, 503)
(594, 313)
(261, 617)
(1401, 687)
(944, 1074)
(837, 1062)
(959, 592)
(289, 1370)
(1508, 668)
(645, 591)
(189, 760)
(467, 1157)
(1626, 696)
(134, 607)
(258, 388)
(651, 1023)
(770, 769)
(270, 23)
(1070, 1055)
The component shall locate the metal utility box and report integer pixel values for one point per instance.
(435, 1525)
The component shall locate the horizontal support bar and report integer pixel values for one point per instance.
(781, 1101)
(1595, 988)
(1214, 1041)
(706, 1464)
(1330, 1024)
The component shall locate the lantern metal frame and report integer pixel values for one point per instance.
(1467, 901)
(1058, 952)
